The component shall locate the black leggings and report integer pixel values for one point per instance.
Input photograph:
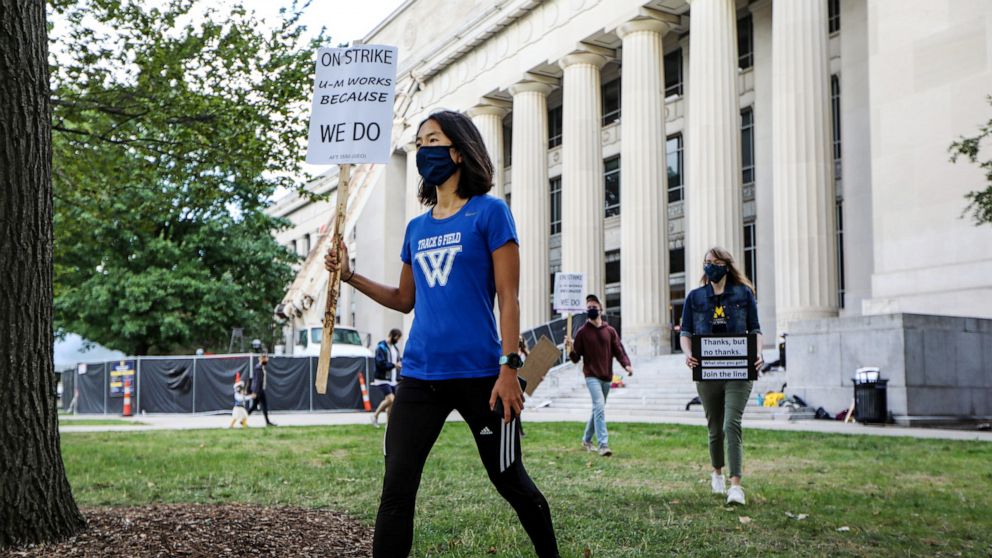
(418, 414)
(260, 401)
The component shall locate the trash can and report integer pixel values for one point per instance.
(870, 396)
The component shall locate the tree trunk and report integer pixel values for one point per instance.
(36, 503)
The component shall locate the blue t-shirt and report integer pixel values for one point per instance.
(454, 329)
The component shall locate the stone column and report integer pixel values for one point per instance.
(531, 203)
(488, 118)
(764, 196)
(413, 207)
(582, 188)
(805, 232)
(643, 190)
(713, 198)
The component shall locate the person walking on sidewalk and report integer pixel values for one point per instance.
(597, 344)
(387, 372)
(260, 383)
(458, 257)
(724, 303)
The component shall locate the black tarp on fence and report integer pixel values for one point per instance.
(165, 385)
(68, 379)
(206, 384)
(343, 390)
(290, 382)
(213, 380)
(91, 381)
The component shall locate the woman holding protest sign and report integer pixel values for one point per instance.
(458, 256)
(724, 303)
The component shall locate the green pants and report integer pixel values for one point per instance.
(723, 403)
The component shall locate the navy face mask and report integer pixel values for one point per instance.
(434, 164)
(714, 272)
(592, 313)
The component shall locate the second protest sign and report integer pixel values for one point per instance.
(725, 356)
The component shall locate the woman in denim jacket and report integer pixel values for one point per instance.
(723, 304)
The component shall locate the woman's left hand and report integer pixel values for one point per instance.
(508, 390)
(759, 363)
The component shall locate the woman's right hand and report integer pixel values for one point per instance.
(337, 259)
(691, 361)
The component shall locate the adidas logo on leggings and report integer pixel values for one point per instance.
(486, 432)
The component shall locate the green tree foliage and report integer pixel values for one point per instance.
(172, 126)
(980, 201)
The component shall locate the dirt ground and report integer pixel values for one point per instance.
(199, 530)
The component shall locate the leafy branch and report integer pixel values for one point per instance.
(980, 201)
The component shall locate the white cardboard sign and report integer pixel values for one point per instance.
(570, 291)
(351, 119)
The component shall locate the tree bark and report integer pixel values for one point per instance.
(36, 503)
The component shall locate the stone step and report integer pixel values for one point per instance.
(696, 412)
(636, 404)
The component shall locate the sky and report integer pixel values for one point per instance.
(346, 20)
(74, 349)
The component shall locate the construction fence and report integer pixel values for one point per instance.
(205, 384)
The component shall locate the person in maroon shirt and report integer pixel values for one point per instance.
(597, 344)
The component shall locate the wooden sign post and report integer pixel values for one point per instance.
(333, 283)
(351, 121)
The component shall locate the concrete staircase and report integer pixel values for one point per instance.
(660, 386)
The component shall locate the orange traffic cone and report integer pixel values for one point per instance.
(365, 392)
(237, 377)
(127, 399)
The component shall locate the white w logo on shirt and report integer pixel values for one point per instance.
(436, 264)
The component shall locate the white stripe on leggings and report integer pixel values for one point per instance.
(507, 445)
(502, 450)
(513, 441)
(506, 428)
(502, 461)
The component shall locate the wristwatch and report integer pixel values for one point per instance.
(512, 360)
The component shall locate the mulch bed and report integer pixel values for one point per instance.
(200, 530)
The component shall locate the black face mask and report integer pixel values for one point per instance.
(714, 272)
(592, 313)
(434, 164)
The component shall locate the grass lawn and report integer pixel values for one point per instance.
(897, 496)
(97, 422)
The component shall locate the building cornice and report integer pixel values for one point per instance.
(472, 34)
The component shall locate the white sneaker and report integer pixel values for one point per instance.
(717, 484)
(735, 495)
(605, 451)
(375, 421)
(588, 446)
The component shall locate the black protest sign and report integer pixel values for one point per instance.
(725, 356)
